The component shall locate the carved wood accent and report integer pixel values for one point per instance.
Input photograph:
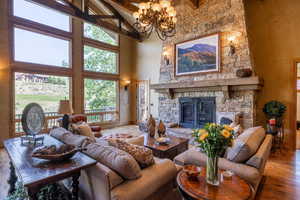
(225, 85)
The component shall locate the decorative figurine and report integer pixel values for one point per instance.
(151, 130)
(151, 126)
(161, 129)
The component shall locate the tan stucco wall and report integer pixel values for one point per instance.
(273, 27)
(127, 109)
(4, 74)
(147, 63)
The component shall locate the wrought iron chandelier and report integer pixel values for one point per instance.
(158, 15)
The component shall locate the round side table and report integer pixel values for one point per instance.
(233, 188)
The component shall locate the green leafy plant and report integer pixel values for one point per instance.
(49, 192)
(274, 109)
(214, 138)
(19, 194)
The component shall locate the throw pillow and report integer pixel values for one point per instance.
(142, 155)
(83, 129)
(246, 145)
(119, 161)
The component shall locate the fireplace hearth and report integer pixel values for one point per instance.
(195, 112)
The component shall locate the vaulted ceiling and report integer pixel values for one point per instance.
(114, 15)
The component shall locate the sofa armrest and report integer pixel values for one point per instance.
(139, 140)
(259, 159)
(94, 183)
(153, 178)
(194, 157)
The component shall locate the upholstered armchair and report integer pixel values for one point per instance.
(83, 118)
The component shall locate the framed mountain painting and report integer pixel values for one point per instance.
(201, 55)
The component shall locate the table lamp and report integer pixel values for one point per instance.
(65, 108)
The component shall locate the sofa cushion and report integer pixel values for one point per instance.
(245, 145)
(142, 155)
(153, 178)
(70, 138)
(119, 161)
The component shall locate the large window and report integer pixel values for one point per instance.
(44, 67)
(100, 96)
(36, 13)
(100, 34)
(99, 60)
(40, 49)
(45, 90)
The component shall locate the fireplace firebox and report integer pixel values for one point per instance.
(195, 112)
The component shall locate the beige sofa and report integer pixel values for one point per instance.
(156, 182)
(251, 170)
(102, 183)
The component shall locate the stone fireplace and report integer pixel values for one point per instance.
(232, 95)
(219, 98)
(194, 112)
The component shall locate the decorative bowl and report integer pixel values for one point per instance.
(52, 153)
(192, 171)
(163, 140)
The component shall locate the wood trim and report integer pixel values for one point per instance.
(40, 28)
(41, 69)
(198, 73)
(101, 45)
(293, 121)
(100, 75)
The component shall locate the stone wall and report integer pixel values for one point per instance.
(226, 17)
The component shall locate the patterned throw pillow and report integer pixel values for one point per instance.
(84, 129)
(142, 155)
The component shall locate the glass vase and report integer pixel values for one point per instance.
(212, 172)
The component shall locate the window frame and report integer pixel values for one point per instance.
(102, 47)
(102, 75)
(12, 15)
(42, 32)
(117, 96)
(73, 71)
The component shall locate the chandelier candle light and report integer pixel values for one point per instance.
(158, 15)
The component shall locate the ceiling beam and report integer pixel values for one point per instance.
(194, 3)
(74, 11)
(116, 13)
(126, 5)
(105, 16)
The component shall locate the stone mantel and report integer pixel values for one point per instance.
(225, 85)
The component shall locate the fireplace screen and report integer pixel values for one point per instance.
(195, 112)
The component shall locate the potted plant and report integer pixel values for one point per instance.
(213, 139)
(274, 111)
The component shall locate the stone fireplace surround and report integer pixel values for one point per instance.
(232, 96)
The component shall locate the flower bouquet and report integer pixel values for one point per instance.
(213, 139)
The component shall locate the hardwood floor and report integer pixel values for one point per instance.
(282, 176)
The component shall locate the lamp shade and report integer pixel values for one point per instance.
(65, 107)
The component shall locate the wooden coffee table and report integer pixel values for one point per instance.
(234, 188)
(176, 146)
(36, 173)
